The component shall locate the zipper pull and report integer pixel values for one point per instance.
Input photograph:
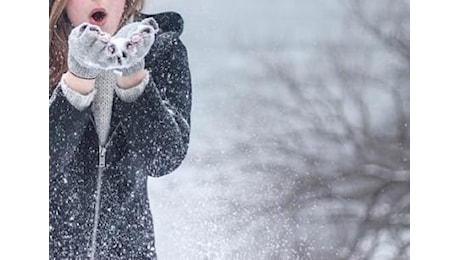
(102, 151)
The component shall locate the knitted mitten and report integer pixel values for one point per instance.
(131, 44)
(88, 54)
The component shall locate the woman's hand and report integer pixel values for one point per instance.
(131, 44)
(88, 51)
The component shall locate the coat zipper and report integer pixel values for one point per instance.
(100, 170)
(97, 207)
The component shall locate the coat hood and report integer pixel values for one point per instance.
(167, 21)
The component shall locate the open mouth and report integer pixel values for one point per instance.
(98, 16)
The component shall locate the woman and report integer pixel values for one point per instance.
(119, 112)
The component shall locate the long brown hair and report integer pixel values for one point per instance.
(59, 30)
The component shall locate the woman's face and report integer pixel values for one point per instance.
(103, 13)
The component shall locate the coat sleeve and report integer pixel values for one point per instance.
(158, 122)
(66, 127)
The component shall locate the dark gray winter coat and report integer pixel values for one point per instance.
(149, 137)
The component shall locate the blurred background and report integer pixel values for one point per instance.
(300, 145)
